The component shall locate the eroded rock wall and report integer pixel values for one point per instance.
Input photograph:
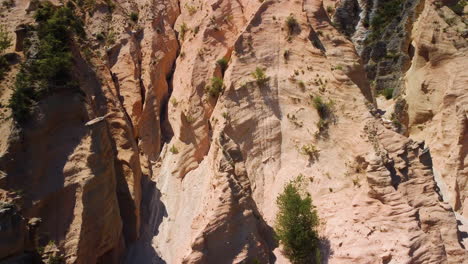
(435, 92)
(78, 164)
(143, 165)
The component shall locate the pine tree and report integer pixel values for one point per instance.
(296, 225)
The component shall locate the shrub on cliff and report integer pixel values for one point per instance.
(134, 17)
(216, 87)
(183, 29)
(260, 76)
(296, 224)
(387, 93)
(48, 65)
(5, 39)
(291, 24)
(223, 64)
(5, 43)
(323, 109)
(325, 112)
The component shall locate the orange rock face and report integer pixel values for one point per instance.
(155, 160)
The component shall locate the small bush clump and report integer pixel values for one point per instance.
(183, 30)
(296, 224)
(325, 113)
(301, 85)
(215, 88)
(174, 149)
(260, 76)
(323, 109)
(291, 24)
(286, 54)
(191, 9)
(387, 93)
(310, 150)
(134, 17)
(223, 64)
(196, 29)
(100, 37)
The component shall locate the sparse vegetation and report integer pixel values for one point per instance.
(356, 182)
(88, 5)
(51, 253)
(110, 38)
(49, 70)
(174, 149)
(56, 259)
(260, 76)
(387, 93)
(223, 64)
(323, 109)
(458, 7)
(301, 85)
(310, 150)
(174, 101)
(100, 37)
(110, 5)
(450, 21)
(330, 9)
(296, 225)
(383, 17)
(325, 113)
(291, 24)
(392, 55)
(191, 9)
(5, 43)
(134, 17)
(190, 118)
(5, 39)
(286, 54)
(183, 29)
(8, 3)
(215, 88)
(337, 67)
(396, 122)
(293, 119)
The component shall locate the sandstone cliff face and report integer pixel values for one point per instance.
(143, 165)
(437, 79)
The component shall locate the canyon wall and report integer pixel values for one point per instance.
(191, 116)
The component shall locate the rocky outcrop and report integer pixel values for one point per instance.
(435, 93)
(89, 174)
(270, 122)
(430, 94)
(13, 231)
(231, 201)
(143, 164)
